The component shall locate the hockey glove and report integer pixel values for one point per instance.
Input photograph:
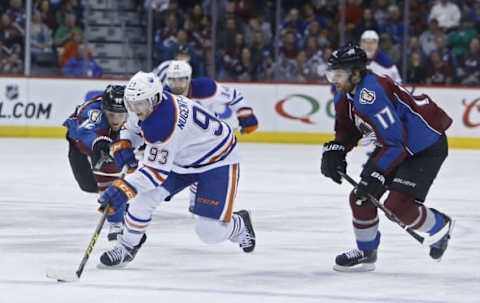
(372, 183)
(116, 196)
(123, 154)
(333, 160)
(247, 120)
(101, 152)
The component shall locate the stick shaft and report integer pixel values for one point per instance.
(387, 212)
(94, 239)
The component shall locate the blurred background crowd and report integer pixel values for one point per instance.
(430, 42)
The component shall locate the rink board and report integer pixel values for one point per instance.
(288, 113)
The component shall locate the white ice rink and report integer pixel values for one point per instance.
(302, 221)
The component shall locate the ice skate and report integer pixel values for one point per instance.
(246, 239)
(356, 260)
(120, 255)
(437, 249)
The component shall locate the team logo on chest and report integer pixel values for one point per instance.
(367, 96)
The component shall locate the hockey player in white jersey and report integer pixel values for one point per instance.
(216, 97)
(185, 144)
(378, 61)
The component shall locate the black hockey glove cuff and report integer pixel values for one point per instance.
(101, 152)
(333, 160)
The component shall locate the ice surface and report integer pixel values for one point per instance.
(302, 221)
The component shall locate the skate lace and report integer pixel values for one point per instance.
(117, 254)
(354, 253)
(246, 240)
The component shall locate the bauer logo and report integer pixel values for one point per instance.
(298, 107)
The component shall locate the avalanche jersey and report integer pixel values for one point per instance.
(382, 65)
(219, 99)
(180, 136)
(402, 124)
(86, 124)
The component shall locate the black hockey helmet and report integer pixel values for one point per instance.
(112, 99)
(350, 56)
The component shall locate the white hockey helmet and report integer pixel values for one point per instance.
(143, 92)
(179, 74)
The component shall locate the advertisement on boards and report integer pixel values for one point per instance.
(283, 108)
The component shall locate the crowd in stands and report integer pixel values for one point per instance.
(443, 45)
(57, 39)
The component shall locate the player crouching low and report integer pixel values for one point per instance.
(185, 144)
(91, 129)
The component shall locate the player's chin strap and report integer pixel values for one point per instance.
(421, 239)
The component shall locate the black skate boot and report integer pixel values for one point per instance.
(356, 260)
(120, 255)
(437, 249)
(115, 230)
(246, 239)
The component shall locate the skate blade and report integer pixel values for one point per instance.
(363, 267)
(119, 266)
(450, 229)
(61, 276)
(442, 232)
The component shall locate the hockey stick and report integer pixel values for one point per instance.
(387, 212)
(71, 277)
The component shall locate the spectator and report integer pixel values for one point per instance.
(470, 70)
(289, 48)
(11, 32)
(48, 16)
(427, 38)
(16, 12)
(367, 23)
(262, 56)
(379, 62)
(284, 69)
(246, 68)
(394, 27)
(447, 13)
(69, 50)
(459, 40)
(381, 14)
(41, 41)
(438, 70)
(12, 59)
(82, 65)
(65, 31)
(416, 69)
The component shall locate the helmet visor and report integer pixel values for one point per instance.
(142, 108)
(335, 76)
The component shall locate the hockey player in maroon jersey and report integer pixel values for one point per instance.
(411, 146)
(91, 129)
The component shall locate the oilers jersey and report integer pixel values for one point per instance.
(402, 124)
(180, 136)
(382, 65)
(86, 124)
